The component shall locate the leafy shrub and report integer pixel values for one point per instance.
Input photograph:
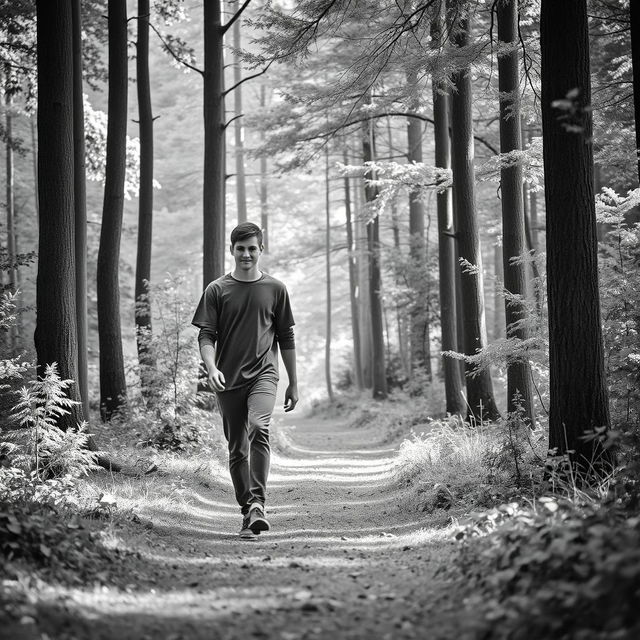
(557, 569)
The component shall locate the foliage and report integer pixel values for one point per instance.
(44, 446)
(619, 261)
(555, 569)
(171, 366)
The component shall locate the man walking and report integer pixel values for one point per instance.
(243, 316)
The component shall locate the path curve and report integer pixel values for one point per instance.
(344, 558)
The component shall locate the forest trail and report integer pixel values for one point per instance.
(344, 559)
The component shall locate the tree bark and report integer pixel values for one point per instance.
(634, 15)
(241, 191)
(55, 335)
(353, 282)
(112, 378)
(214, 145)
(479, 387)
(419, 331)
(80, 206)
(453, 382)
(519, 392)
(10, 204)
(264, 194)
(327, 344)
(578, 392)
(375, 276)
(146, 359)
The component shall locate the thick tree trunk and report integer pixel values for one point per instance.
(327, 343)
(146, 358)
(375, 276)
(634, 15)
(364, 299)
(578, 392)
(479, 387)
(80, 206)
(353, 282)
(264, 201)
(519, 393)
(214, 145)
(55, 335)
(420, 339)
(498, 288)
(453, 382)
(112, 378)
(241, 191)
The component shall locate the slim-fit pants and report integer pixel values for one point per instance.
(246, 413)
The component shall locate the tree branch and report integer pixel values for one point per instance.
(235, 16)
(255, 75)
(173, 53)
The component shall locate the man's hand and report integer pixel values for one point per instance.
(216, 379)
(290, 398)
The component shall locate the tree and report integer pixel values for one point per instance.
(453, 383)
(55, 335)
(80, 208)
(327, 347)
(375, 276)
(241, 191)
(145, 203)
(112, 378)
(479, 386)
(578, 392)
(519, 395)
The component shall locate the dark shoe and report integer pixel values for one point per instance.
(257, 521)
(246, 533)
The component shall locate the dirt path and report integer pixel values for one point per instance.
(343, 560)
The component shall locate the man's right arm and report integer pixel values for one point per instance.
(208, 353)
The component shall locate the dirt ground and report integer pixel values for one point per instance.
(346, 558)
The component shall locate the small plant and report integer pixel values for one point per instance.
(47, 449)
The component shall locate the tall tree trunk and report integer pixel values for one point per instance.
(634, 15)
(420, 339)
(10, 204)
(80, 206)
(241, 191)
(146, 358)
(55, 335)
(498, 289)
(214, 145)
(519, 393)
(264, 202)
(327, 344)
(112, 379)
(479, 387)
(353, 282)
(375, 276)
(578, 392)
(364, 299)
(453, 382)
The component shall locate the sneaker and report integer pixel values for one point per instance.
(257, 521)
(246, 533)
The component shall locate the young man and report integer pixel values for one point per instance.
(243, 316)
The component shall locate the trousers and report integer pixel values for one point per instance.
(246, 413)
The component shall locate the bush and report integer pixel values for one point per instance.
(556, 569)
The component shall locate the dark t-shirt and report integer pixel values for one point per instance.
(246, 320)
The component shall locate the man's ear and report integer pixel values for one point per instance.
(231, 249)
(261, 248)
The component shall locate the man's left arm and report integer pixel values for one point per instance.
(291, 394)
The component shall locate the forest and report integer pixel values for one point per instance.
(450, 190)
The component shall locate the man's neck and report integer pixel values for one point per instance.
(247, 276)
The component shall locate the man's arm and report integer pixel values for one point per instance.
(208, 353)
(291, 394)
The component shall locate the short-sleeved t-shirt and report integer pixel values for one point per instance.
(245, 319)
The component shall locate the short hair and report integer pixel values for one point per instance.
(245, 230)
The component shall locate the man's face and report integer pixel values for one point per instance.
(246, 253)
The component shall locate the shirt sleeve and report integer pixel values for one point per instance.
(206, 315)
(284, 320)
